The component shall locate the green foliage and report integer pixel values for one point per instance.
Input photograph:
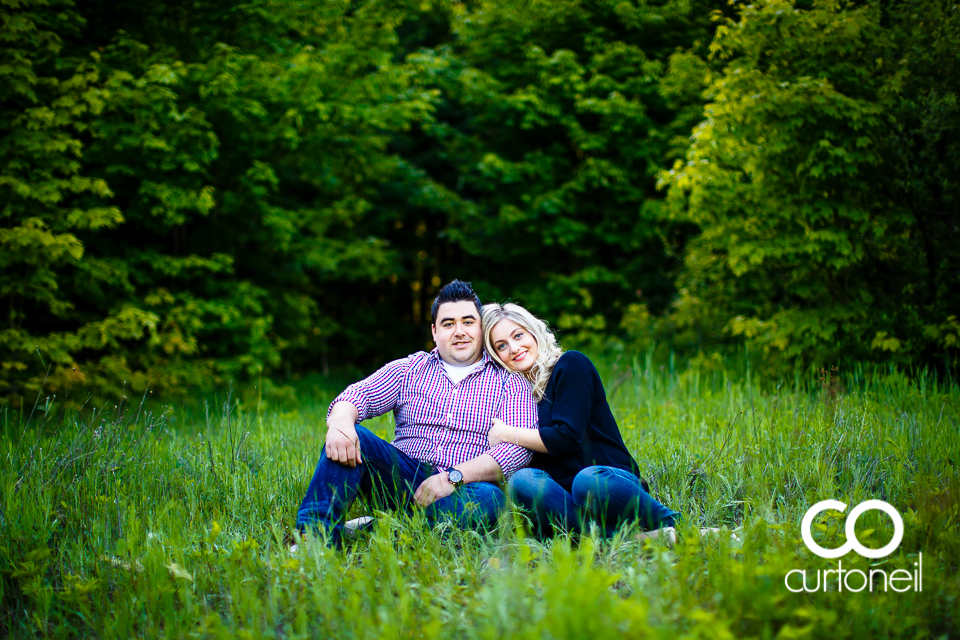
(47, 103)
(242, 167)
(549, 134)
(129, 522)
(819, 240)
(199, 192)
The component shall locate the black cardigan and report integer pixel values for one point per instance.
(576, 423)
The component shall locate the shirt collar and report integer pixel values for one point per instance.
(484, 357)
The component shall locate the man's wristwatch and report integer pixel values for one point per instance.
(455, 477)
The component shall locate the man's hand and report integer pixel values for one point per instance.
(343, 443)
(344, 447)
(432, 489)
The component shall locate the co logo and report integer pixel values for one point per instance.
(850, 529)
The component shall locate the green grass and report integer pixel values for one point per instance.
(126, 522)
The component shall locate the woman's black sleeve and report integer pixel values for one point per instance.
(572, 405)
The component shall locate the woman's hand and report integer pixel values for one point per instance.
(499, 432)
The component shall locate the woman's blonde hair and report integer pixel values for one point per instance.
(548, 351)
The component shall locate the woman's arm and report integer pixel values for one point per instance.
(574, 383)
(526, 438)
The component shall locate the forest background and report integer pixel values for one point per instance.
(199, 192)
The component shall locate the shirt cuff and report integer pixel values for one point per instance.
(510, 457)
(350, 395)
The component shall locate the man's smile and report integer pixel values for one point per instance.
(457, 332)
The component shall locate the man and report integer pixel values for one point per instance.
(444, 403)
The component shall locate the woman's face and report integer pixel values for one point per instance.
(515, 345)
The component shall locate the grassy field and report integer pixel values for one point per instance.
(158, 522)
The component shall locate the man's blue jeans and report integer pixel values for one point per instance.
(389, 478)
(606, 495)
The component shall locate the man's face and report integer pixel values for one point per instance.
(457, 332)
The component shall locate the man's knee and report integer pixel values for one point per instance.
(483, 503)
(497, 499)
(489, 494)
(496, 504)
(365, 436)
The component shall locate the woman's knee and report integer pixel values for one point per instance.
(591, 480)
(526, 484)
(593, 483)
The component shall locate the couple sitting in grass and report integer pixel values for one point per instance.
(496, 399)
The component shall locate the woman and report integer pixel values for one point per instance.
(581, 470)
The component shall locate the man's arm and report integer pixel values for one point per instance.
(483, 468)
(372, 396)
(518, 410)
(378, 393)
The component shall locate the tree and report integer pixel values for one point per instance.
(47, 102)
(803, 251)
(242, 148)
(538, 171)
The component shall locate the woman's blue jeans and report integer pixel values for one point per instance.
(606, 495)
(389, 478)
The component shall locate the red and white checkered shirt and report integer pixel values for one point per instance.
(444, 423)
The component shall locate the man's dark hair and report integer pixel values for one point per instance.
(454, 291)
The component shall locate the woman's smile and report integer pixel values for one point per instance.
(515, 346)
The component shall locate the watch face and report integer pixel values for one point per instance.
(455, 476)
